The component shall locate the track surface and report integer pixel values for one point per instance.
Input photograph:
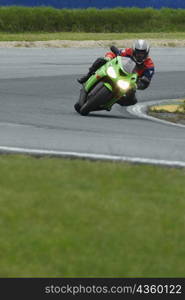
(38, 89)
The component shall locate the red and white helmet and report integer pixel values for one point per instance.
(140, 51)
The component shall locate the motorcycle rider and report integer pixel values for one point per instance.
(144, 68)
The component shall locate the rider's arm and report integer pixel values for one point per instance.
(147, 75)
(142, 83)
(121, 52)
(110, 55)
(126, 52)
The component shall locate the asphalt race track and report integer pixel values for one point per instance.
(38, 89)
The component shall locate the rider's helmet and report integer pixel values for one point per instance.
(140, 51)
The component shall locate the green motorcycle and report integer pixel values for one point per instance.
(111, 82)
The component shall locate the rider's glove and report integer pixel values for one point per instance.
(143, 83)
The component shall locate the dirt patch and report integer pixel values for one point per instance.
(178, 118)
(172, 112)
(90, 44)
(170, 108)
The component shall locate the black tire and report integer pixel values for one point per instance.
(81, 101)
(77, 107)
(98, 96)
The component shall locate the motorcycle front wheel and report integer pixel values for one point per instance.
(98, 96)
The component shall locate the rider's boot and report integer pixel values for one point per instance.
(84, 78)
(95, 66)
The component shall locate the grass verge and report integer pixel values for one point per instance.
(78, 36)
(75, 218)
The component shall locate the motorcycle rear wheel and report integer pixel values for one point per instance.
(99, 95)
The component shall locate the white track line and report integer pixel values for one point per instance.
(139, 110)
(91, 156)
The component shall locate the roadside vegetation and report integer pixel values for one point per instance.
(47, 19)
(77, 218)
(81, 36)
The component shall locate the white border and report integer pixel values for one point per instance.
(91, 156)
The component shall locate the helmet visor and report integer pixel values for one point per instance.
(140, 55)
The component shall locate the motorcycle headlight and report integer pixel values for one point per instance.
(123, 84)
(111, 72)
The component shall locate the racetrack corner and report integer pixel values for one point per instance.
(164, 111)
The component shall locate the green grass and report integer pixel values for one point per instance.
(75, 218)
(80, 36)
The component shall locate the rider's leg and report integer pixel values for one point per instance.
(95, 66)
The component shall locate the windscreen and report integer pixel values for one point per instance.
(128, 64)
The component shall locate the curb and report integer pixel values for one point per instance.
(90, 156)
(140, 110)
